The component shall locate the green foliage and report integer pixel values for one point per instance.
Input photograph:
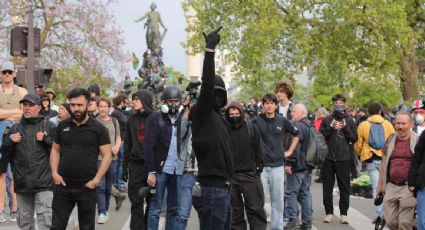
(352, 47)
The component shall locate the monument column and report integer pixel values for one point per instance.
(193, 61)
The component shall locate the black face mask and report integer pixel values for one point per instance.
(173, 109)
(79, 117)
(235, 121)
(219, 101)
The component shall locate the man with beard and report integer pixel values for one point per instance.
(212, 144)
(339, 131)
(134, 166)
(73, 161)
(248, 158)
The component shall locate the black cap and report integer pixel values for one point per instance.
(31, 97)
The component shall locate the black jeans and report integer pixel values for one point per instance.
(137, 179)
(64, 200)
(342, 171)
(247, 194)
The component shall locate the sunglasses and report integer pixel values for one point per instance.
(4, 72)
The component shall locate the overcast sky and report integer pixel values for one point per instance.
(127, 11)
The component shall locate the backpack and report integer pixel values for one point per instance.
(376, 135)
(317, 148)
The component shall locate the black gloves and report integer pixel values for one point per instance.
(212, 39)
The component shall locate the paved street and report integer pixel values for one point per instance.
(360, 215)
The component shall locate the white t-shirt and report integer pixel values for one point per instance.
(284, 110)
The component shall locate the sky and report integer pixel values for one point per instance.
(172, 15)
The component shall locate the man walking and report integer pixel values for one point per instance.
(298, 181)
(274, 129)
(73, 162)
(248, 158)
(339, 131)
(399, 202)
(372, 135)
(31, 141)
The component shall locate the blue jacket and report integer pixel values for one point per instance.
(297, 159)
(158, 138)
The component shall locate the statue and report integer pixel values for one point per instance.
(153, 35)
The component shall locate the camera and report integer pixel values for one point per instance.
(379, 199)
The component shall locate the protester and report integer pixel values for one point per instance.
(339, 131)
(28, 145)
(52, 95)
(418, 112)
(248, 157)
(284, 93)
(369, 148)
(298, 181)
(275, 128)
(399, 202)
(92, 109)
(10, 113)
(212, 144)
(64, 112)
(73, 161)
(46, 110)
(134, 166)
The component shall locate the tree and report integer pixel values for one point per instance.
(76, 37)
(368, 50)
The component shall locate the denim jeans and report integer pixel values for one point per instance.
(373, 172)
(103, 192)
(185, 185)
(9, 177)
(273, 179)
(420, 209)
(118, 181)
(214, 210)
(169, 182)
(298, 191)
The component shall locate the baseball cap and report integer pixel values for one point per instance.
(31, 97)
(8, 66)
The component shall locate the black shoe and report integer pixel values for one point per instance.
(291, 226)
(118, 201)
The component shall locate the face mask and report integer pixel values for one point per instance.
(165, 109)
(234, 121)
(419, 119)
(219, 101)
(339, 108)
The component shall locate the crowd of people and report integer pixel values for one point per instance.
(201, 151)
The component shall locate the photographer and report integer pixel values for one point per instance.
(212, 144)
(339, 131)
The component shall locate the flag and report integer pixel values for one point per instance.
(135, 61)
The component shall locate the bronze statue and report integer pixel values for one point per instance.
(153, 35)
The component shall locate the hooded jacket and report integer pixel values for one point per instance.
(135, 129)
(30, 158)
(211, 132)
(297, 159)
(362, 147)
(248, 153)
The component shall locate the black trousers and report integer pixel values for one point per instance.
(247, 194)
(340, 169)
(137, 178)
(64, 200)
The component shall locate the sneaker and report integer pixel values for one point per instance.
(118, 201)
(13, 216)
(102, 219)
(2, 218)
(344, 219)
(291, 226)
(328, 218)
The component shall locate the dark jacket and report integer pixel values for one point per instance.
(297, 159)
(273, 132)
(30, 158)
(417, 169)
(122, 121)
(211, 133)
(248, 153)
(136, 128)
(339, 141)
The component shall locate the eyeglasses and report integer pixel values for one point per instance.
(4, 72)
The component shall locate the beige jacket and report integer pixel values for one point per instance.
(388, 151)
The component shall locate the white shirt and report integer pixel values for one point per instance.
(284, 109)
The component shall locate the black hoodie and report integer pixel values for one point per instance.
(211, 132)
(135, 129)
(248, 153)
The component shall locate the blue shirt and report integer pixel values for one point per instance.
(172, 160)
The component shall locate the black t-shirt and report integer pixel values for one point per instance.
(79, 150)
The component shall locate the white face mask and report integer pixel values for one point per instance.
(419, 119)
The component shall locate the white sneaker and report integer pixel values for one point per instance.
(344, 219)
(328, 218)
(102, 219)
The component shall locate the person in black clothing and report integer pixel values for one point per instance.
(247, 190)
(339, 131)
(73, 161)
(134, 166)
(212, 144)
(46, 109)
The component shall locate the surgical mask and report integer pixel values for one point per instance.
(339, 108)
(234, 121)
(419, 119)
